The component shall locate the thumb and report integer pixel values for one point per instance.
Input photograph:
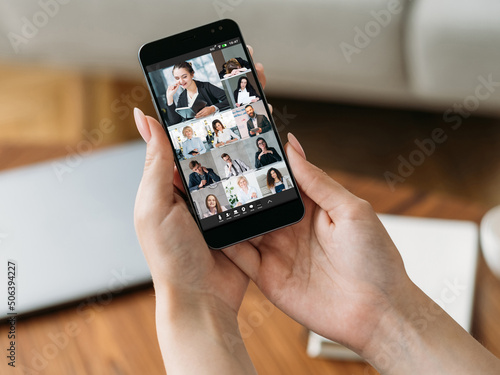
(316, 184)
(156, 188)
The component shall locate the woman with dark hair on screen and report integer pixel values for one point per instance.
(276, 182)
(265, 155)
(223, 136)
(194, 94)
(245, 93)
(213, 205)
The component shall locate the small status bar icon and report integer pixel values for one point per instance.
(224, 45)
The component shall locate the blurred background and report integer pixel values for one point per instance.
(403, 92)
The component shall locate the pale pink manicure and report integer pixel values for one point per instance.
(142, 124)
(295, 142)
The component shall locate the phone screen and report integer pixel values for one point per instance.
(223, 136)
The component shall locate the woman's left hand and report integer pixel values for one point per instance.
(207, 111)
(187, 275)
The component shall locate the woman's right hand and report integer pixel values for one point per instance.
(337, 271)
(171, 90)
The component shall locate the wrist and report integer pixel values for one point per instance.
(190, 322)
(417, 337)
(403, 332)
(188, 319)
(179, 303)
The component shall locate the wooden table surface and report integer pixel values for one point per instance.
(118, 336)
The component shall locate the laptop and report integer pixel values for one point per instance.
(71, 235)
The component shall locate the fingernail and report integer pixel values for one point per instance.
(142, 124)
(294, 142)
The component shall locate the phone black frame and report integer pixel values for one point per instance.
(254, 225)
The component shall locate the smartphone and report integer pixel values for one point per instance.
(235, 180)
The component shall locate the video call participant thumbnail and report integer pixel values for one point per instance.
(223, 136)
(233, 66)
(194, 91)
(257, 124)
(234, 167)
(213, 206)
(201, 176)
(246, 193)
(192, 146)
(245, 93)
(265, 155)
(276, 182)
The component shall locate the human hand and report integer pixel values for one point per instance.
(235, 72)
(202, 184)
(171, 90)
(198, 291)
(177, 254)
(336, 270)
(207, 111)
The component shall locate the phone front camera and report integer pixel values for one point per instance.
(212, 30)
(220, 27)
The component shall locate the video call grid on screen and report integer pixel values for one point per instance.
(211, 150)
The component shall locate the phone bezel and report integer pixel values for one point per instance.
(254, 225)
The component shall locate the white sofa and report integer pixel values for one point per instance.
(418, 54)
